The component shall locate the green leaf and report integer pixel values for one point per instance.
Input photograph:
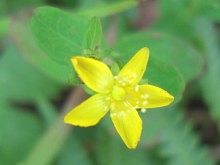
(22, 82)
(58, 33)
(24, 40)
(166, 77)
(19, 132)
(94, 35)
(165, 47)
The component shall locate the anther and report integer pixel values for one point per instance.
(108, 98)
(144, 102)
(136, 88)
(123, 84)
(143, 110)
(144, 96)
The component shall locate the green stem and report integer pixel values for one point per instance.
(109, 9)
(47, 148)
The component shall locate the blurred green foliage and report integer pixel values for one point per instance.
(33, 84)
(19, 132)
(58, 33)
(161, 46)
(35, 50)
(93, 36)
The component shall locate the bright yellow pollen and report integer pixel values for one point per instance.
(118, 93)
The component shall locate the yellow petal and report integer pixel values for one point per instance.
(89, 112)
(148, 96)
(133, 71)
(127, 123)
(95, 74)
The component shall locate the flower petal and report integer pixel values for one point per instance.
(148, 96)
(89, 112)
(95, 74)
(133, 71)
(127, 123)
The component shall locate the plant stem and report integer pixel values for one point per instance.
(109, 9)
(54, 138)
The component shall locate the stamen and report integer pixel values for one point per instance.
(118, 93)
(132, 77)
(143, 110)
(144, 96)
(123, 84)
(108, 98)
(113, 114)
(120, 81)
(122, 113)
(144, 102)
(136, 89)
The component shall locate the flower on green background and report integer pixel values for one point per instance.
(121, 95)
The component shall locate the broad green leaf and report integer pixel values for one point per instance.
(58, 33)
(20, 81)
(165, 47)
(24, 40)
(94, 35)
(19, 132)
(165, 76)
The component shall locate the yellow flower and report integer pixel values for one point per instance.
(120, 94)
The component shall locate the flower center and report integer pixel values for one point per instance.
(118, 93)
